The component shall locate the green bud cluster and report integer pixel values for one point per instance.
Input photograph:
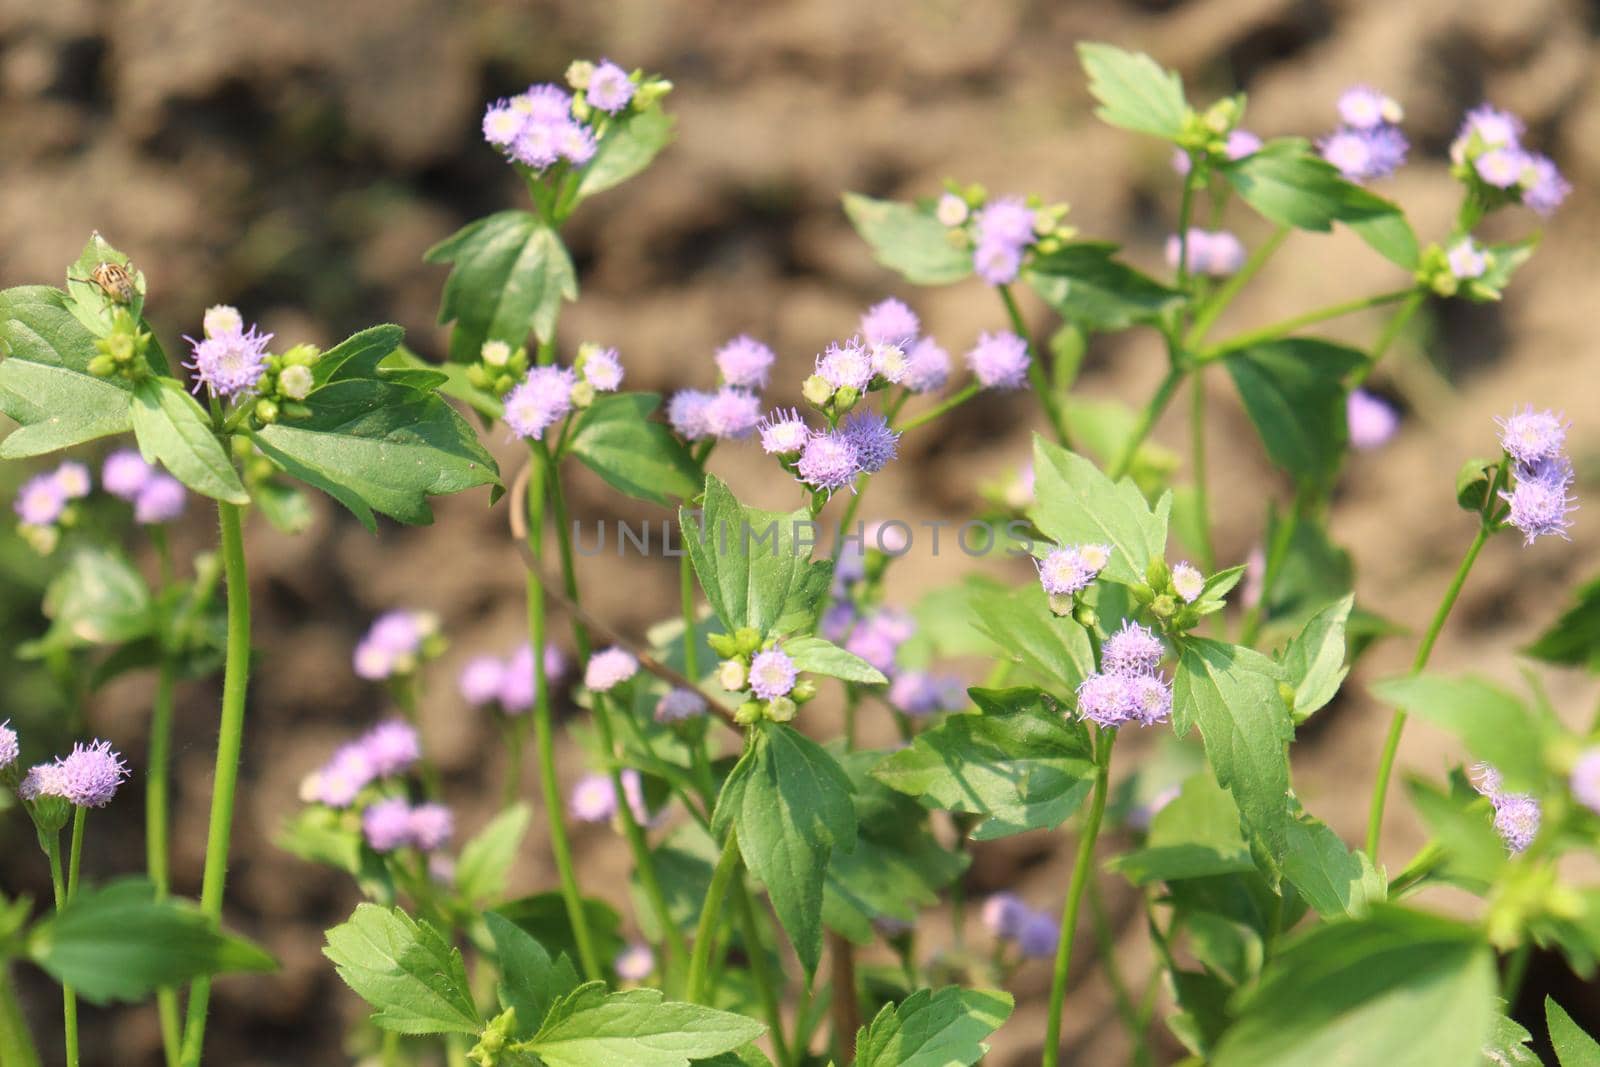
(121, 353)
(285, 384)
(1161, 600)
(1205, 133)
(733, 674)
(499, 368)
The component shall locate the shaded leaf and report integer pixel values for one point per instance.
(908, 238)
(1134, 92)
(1293, 390)
(485, 862)
(45, 385)
(1085, 284)
(510, 274)
(1574, 1048)
(643, 459)
(820, 656)
(627, 148)
(1076, 504)
(530, 981)
(1338, 882)
(404, 969)
(1314, 660)
(929, 1028)
(173, 429)
(592, 1028)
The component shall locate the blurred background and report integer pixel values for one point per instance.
(296, 159)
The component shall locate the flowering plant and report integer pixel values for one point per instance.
(757, 851)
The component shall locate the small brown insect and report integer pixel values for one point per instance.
(116, 280)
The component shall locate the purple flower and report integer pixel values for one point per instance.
(838, 620)
(999, 360)
(73, 480)
(1502, 167)
(869, 434)
(10, 748)
(343, 777)
(609, 668)
(847, 366)
(783, 433)
(124, 473)
(228, 363)
(927, 367)
(602, 369)
(575, 143)
(1485, 779)
(545, 103)
(1255, 573)
(997, 262)
(392, 747)
(634, 963)
(921, 693)
(391, 645)
(745, 362)
(40, 501)
(677, 705)
(538, 143)
(539, 401)
(889, 362)
(1491, 128)
(1064, 571)
(1003, 914)
(386, 824)
(1188, 582)
(1372, 422)
(731, 413)
(161, 499)
(481, 680)
(1530, 436)
(1466, 260)
(1151, 697)
(1516, 820)
(686, 411)
(1547, 189)
(42, 780)
(1008, 219)
(609, 88)
(1540, 502)
(1242, 143)
(1362, 155)
(829, 461)
(1038, 935)
(890, 322)
(1217, 254)
(88, 776)
(592, 799)
(501, 123)
(1107, 699)
(1364, 108)
(431, 826)
(878, 637)
(1132, 650)
(772, 674)
(1585, 780)
(517, 690)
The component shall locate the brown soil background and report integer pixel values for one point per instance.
(296, 159)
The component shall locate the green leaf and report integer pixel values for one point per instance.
(1196, 835)
(530, 981)
(1294, 392)
(943, 1028)
(643, 459)
(284, 505)
(485, 862)
(1020, 763)
(790, 803)
(455, 385)
(1574, 640)
(1024, 631)
(119, 942)
(90, 303)
(820, 656)
(908, 238)
(406, 970)
(1508, 1044)
(360, 355)
(376, 446)
(1314, 660)
(1134, 92)
(510, 273)
(1389, 234)
(1076, 504)
(1574, 1048)
(626, 149)
(1231, 693)
(592, 1028)
(1398, 987)
(754, 566)
(1085, 284)
(172, 428)
(45, 385)
(97, 599)
(1335, 881)
(1493, 724)
(544, 917)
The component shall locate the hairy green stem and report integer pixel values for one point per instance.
(1220, 300)
(230, 740)
(1036, 377)
(1147, 420)
(1289, 325)
(1397, 724)
(1082, 871)
(69, 999)
(569, 570)
(705, 931)
(950, 403)
(16, 1043)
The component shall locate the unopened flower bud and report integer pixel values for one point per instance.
(102, 366)
(1084, 616)
(805, 689)
(292, 410)
(582, 395)
(295, 382)
(748, 713)
(724, 645)
(1164, 606)
(496, 353)
(816, 390)
(1061, 604)
(478, 377)
(845, 399)
(781, 709)
(749, 639)
(650, 92)
(951, 210)
(579, 72)
(266, 412)
(731, 675)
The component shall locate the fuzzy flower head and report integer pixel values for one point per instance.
(1214, 253)
(676, 705)
(519, 689)
(1363, 155)
(846, 366)
(161, 500)
(1540, 504)
(1188, 582)
(772, 674)
(878, 637)
(10, 748)
(950, 210)
(890, 322)
(393, 747)
(1134, 649)
(386, 824)
(828, 462)
(1516, 820)
(1002, 915)
(431, 826)
(635, 963)
(89, 775)
(40, 501)
(480, 680)
(783, 433)
(745, 362)
(592, 799)
(1502, 167)
(609, 87)
(889, 362)
(1485, 779)
(228, 364)
(874, 443)
(609, 668)
(1585, 780)
(539, 401)
(927, 367)
(1151, 697)
(1038, 935)
(124, 473)
(1107, 699)
(997, 262)
(342, 778)
(731, 413)
(602, 369)
(1466, 260)
(1371, 420)
(73, 480)
(393, 644)
(686, 412)
(1007, 219)
(1064, 572)
(1487, 127)
(1365, 108)
(999, 360)
(1530, 436)
(1546, 188)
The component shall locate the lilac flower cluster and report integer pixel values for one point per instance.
(1067, 571)
(539, 401)
(86, 777)
(1371, 420)
(877, 637)
(157, 497)
(1489, 148)
(541, 127)
(1516, 815)
(1129, 686)
(594, 799)
(634, 963)
(394, 823)
(387, 750)
(395, 644)
(1008, 918)
(828, 460)
(1240, 143)
(509, 684)
(609, 668)
(228, 360)
(1539, 501)
(44, 498)
(1215, 253)
(678, 705)
(1368, 144)
(1000, 360)
(1002, 232)
(733, 410)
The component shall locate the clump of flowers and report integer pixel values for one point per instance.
(1000, 360)
(1129, 686)
(542, 399)
(1516, 815)
(394, 823)
(1216, 253)
(763, 671)
(1539, 501)
(86, 777)
(547, 126)
(1368, 144)
(228, 360)
(44, 504)
(1067, 570)
(733, 410)
(609, 668)
(1009, 920)
(1488, 155)
(921, 693)
(594, 798)
(397, 643)
(388, 750)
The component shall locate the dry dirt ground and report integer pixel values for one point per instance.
(296, 159)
